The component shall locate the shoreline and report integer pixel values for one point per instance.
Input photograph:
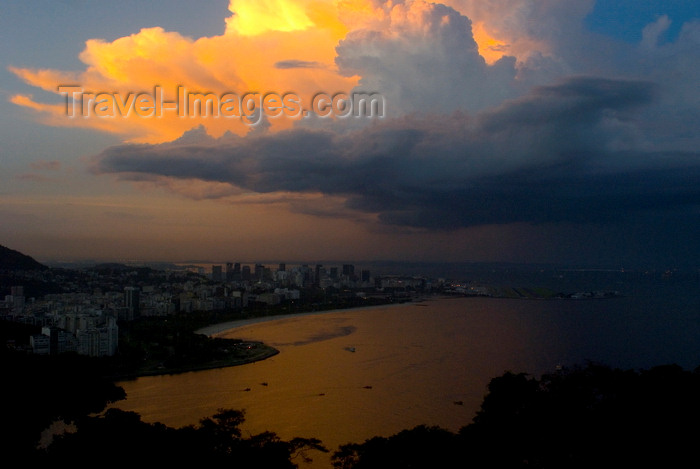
(269, 352)
(216, 330)
(224, 328)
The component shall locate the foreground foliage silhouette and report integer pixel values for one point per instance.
(580, 417)
(120, 437)
(40, 390)
(71, 388)
(583, 417)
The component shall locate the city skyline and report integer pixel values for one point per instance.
(513, 131)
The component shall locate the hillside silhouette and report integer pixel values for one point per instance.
(11, 260)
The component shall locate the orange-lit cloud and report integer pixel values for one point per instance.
(269, 46)
(252, 18)
(523, 29)
(491, 49)
(244, 59)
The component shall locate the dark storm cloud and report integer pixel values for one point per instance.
(563, 153)
(546, 195)
(579, 100)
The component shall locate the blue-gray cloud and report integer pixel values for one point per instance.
(288, 64)
(551, 156)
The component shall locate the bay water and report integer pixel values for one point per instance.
(345, 376)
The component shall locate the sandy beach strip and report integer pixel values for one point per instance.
(218, 329)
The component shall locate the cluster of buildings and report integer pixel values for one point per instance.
(84, 317)
(301, 276)
(87, 335)
(70, 322)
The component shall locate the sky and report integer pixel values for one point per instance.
(545, 131)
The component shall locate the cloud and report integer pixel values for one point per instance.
(41, 166)
(423, 58)
(286, 64)
(547, 157)
(674, 119)
(46, 165)
(502, 115)
(246, 58)
(34, 178)
(531, 29)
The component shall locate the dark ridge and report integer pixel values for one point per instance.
(11, 260)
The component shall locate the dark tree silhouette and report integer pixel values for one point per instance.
(122, 438)
(41, 390)
(421, 446)
(582, 417)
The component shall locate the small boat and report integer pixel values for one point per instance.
(350, 349)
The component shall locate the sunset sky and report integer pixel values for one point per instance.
(513, 130)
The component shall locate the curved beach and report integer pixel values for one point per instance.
(215, 330)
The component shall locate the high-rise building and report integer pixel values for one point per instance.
(365, 275)
(282, 267)
(245, 273)
(216, 273)
(334, 273)
(131, 302)
(348, 270)
(306, 274)
(317, 273)
(229, 271)
(17, 295)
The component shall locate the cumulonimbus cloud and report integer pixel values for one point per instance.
(545, 157)
(423, 56)
(524, 137)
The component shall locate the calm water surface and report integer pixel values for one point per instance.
(427, 363)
